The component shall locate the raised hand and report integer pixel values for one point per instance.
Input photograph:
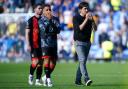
(89, 16)
(49, 15)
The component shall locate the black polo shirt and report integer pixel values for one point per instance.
(85, 34)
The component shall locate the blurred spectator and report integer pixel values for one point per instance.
(1, 9)
(19, 46)
(12, 28)
(103, 37)
(21, 26)
(3, 27)
(116, 4)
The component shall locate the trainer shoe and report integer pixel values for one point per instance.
(44, 80)
(88, 82)
(49, 82)
(30, 80)
(38, 83)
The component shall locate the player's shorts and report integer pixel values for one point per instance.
(36, 53)
(49, 52)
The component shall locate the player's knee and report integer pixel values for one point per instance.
(34, 62)
(52, 66)
(46, 65)
(46, 60)
(34, 65)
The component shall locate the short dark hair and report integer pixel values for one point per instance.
(36, 5)
(83, 4)
(46, 5)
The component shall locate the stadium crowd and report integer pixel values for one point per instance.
(110, 41)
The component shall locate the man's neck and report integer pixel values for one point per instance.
(37, 15)
(81, 15)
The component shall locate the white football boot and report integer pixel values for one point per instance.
(49, 82)
(38, 83)
(30, 79)
(44, 80)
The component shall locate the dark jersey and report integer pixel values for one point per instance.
(34, 37)
(85, 34)
(48, 31)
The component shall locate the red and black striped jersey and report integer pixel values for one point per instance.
(34, 37)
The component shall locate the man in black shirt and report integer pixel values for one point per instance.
(83, 25)
(33, 45)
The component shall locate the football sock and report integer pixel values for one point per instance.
(32, 69)
(47, 72)
(38, 72)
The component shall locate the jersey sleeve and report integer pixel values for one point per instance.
(28, 26)
(56, 25)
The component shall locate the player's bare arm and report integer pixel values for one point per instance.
(27, 39)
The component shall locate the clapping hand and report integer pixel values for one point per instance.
(89, 16)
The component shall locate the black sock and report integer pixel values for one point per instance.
(51, 70)
(32, 69)
(38, 72)
(47, 72)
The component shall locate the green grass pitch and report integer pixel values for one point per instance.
(104, 76)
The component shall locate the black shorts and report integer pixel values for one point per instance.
(49, 51)
(36, 53)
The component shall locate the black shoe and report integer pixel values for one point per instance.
(88, 82)
(78, 83)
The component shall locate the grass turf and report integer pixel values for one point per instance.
(104, 76)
